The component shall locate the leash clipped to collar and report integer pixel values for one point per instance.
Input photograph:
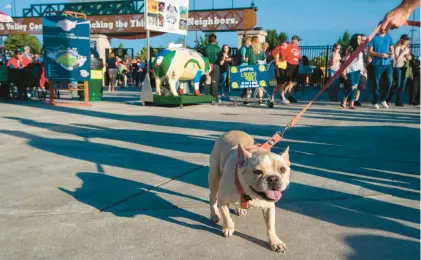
(278, 136)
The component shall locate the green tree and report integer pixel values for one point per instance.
(319, 60)
(142, 53)
(16, 41)
(204, 41)
(120, 51)
(274, 39)
(283, 36)
(344, 40)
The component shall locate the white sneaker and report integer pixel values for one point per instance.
(285, 101)
(384, 104)
(376, 106)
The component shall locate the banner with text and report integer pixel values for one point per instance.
(250, 76)
(170, 16)
(67, 54)
(206, 20)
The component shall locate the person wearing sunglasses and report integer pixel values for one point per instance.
(18, 61)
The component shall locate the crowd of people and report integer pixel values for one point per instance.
(286, 57)
(124, 72)
(384, 68)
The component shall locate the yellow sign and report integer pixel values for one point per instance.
(96, 74)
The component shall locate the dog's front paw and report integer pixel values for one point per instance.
(240, 212)
(278, 246)
(228, 230)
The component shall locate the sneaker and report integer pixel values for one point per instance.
(399, 104)
(376, 106)
(384, 104)
(357, 103)
(285, 101)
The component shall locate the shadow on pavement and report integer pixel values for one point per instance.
(380, 158)
(99, 189)
(368, 247)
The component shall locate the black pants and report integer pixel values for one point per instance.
(414, 90)
(214, 86)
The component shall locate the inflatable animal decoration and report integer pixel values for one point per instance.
(180, 64)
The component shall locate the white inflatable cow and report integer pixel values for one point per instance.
(174, 64)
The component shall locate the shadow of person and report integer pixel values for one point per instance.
(350, 210)
(105, 154)
(102, 191)
(368, 247)
(170, 141)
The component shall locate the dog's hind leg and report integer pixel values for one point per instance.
(214, 178)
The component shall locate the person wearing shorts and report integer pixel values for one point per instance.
(112, 71)
(334, 65)
(363, 79)
(293, 57)
(281, 64)
(353, 72)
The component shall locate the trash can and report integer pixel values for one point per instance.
(95, 83)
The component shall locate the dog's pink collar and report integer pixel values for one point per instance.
(244, 202)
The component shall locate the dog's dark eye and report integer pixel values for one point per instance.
(282, 170)
(258, 172)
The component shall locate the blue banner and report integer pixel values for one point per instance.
(67, 54)
(250, 76)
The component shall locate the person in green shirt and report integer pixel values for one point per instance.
(212, 51)
(255, 55)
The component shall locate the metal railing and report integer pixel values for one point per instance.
(89, 8)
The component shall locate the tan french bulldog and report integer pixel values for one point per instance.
(262, 175)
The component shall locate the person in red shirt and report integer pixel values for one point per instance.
(279, 54)
(292, 56)
(18, 61)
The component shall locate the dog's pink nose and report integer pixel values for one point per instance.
(273, 179)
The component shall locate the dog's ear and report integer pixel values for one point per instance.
(285, 156)
(243, 155)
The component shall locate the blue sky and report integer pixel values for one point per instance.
(318, 22)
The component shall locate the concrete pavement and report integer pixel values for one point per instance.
(120, 181)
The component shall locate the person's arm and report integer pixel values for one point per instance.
(221, 59)
(347, 53)
(399, 15)
(375, 54)
(392, 49)
(396, 53)
(331, 59)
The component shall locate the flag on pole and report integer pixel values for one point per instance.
(8, 6)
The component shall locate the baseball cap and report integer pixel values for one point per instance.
(284, 41)
(405, 37)
(20, 50)
(296, 37)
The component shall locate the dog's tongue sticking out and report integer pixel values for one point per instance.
(273, 194)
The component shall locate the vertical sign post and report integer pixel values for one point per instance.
(168, 16)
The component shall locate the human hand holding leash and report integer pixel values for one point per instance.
(399, 15)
